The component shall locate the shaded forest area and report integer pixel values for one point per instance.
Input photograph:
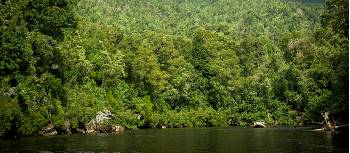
(173, 63)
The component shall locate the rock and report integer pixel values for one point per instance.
(100, 124)
(91, 126)
(163, 127)
(102, 116)
(67, 126)
(91, 131)
(109, 128)
(117, 128)
(103, 128)
(259, 124)
(78, 130)
(48, 130)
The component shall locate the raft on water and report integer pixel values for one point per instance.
(259, 124)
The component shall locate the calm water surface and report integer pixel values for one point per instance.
(234, 139)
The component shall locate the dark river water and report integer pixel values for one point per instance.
(233, 139)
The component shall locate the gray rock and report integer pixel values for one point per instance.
(91, 126)
(117, 128)
(259, 124)
(48, 130)
(104, 115)
(80, 130)
(100, 124)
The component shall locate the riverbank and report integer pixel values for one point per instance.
(114, 122)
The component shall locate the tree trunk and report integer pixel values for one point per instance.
(328, 122)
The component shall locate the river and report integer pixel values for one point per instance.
(231, 139)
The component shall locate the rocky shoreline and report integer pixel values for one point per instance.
(99, 124)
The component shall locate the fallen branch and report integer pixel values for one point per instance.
(320, 129)
(341, 126)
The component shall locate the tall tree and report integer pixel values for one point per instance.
(30, 59)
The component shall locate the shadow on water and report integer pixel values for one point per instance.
(233, 139)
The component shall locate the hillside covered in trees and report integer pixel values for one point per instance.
(174, 63)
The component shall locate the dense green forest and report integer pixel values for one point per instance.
(174, 63)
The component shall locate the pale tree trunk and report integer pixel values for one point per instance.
(328, 121)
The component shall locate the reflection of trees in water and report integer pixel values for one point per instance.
(237, 139)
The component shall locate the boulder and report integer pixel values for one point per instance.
(103, 116)
(49, 130)
(163, 127)
(259, 124)
(78, 130)
(91, 126)
(117, 128)
(104, 128)
(100, 123)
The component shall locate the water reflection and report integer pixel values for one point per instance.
(188, 140)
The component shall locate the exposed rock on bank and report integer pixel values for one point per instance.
(49, 130)
(78, 130)
(101, 123)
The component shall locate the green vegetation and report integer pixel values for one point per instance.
(174, 63)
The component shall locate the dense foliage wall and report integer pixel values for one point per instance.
(182, 63)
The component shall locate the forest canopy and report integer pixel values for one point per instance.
(175, 63)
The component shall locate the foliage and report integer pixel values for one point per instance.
(181, 63)
(31, 63)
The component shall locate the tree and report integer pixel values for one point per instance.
(329, 70)
(30, 32)
(336, 16)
